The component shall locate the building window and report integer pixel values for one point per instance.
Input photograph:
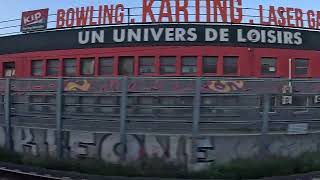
(268, 66)
(230, 65)
(87, 66)
(146, 65)
(301, 67)
(189, 64)
(52, 67)
(69, 67)
(106, 65)
(209, 65)
(36, 68)
(9, 69)
(126, 65)
(167, 65)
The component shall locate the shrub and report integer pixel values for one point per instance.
(309, 162)
(160, 168)
(156, 167)
(9, 156)
(253, 168)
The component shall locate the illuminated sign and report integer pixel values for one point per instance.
(34, 20)
(174, 11)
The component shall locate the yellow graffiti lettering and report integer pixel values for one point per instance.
(225, 86)
(72, 86)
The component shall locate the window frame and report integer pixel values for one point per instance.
(216, 65)
(276, 65)
(82, 59)
(195, 65)
(41, 68)
(75, 67)
(237, 66)
(168, 65)
(154, 65)
(12, 70)
(132, 68)
(100, 67)
(58, 69)
(294, 66)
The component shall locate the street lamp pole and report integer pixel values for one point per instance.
(290, 74)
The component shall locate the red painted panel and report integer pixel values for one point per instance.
(249, 58)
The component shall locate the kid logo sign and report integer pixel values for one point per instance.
(34, 20)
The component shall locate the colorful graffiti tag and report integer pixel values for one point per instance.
(106, 145)
(100, 85)
(225, 86)
(78, 86)
(171, 148)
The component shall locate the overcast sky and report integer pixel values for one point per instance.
(12, 8)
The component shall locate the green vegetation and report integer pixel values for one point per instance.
(155, 167)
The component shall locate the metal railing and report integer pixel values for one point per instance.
(171, 106)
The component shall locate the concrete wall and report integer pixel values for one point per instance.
(174, 148)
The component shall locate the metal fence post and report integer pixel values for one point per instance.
(129, 16)
(59, 123)
(265, 123)
(196, 119)
(7, 115)
(123, 118)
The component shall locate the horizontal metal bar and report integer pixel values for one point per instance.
(97, 116)
(92, 105)
(29, 103)
(92, 93)
(295, 80)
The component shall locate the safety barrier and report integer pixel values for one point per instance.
(169, 106)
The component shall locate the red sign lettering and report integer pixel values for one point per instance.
(207, 11)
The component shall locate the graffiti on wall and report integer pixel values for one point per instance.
(161, 85)
(77, 86)
(217, 86)
(112, 85)
(173, 148)
(82, 145)
(225, 86)
(34, 141)
(33, 85)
